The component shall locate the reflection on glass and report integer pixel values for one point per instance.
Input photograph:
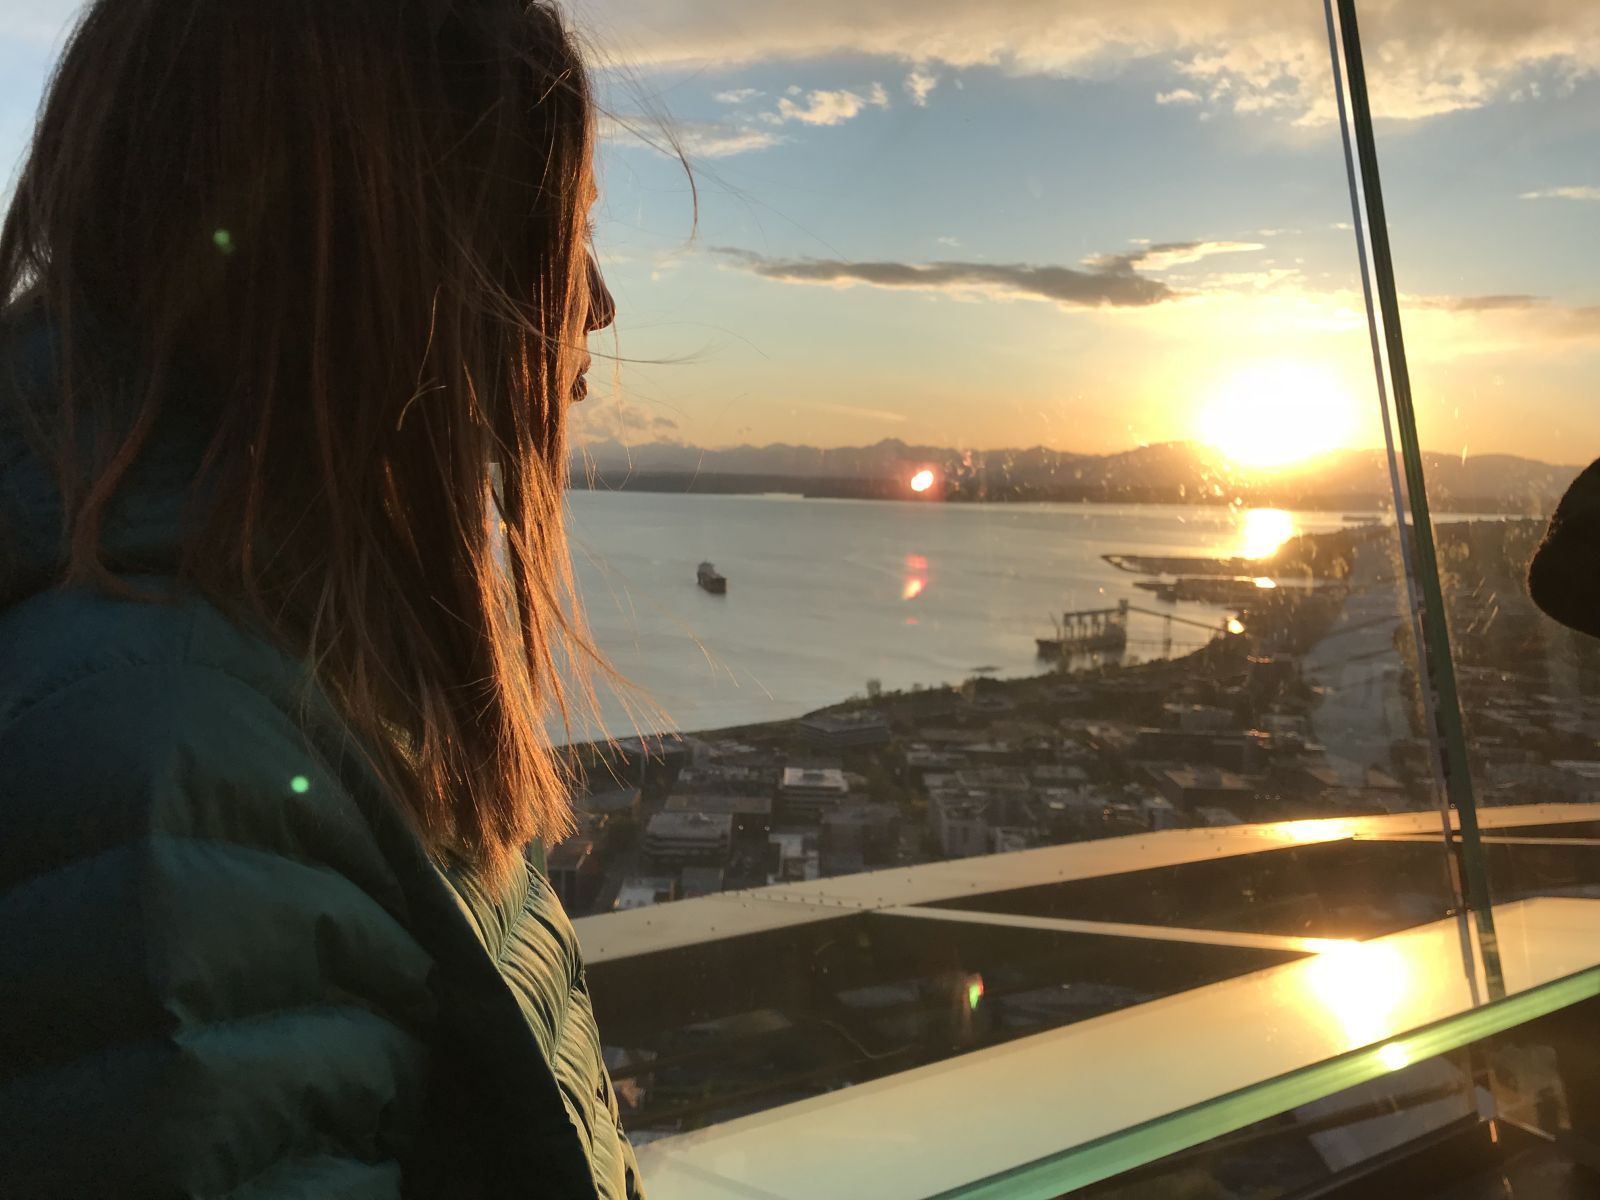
(1504, 353)
(1360, 986)
(1070, 670)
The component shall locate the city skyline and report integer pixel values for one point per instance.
(1089, 227)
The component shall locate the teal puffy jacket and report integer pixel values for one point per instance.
(227, 968)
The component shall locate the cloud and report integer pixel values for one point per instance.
(699, 139)
(614, 417)
(828, 108)
(1564, 193)
(1164, 256)
(1423, 56)
(919, 85)
(1178, 96)
(948, 241)
(1452, 328)
(1064, 286)
(1471, 304)
(852, 410)
(738, 95)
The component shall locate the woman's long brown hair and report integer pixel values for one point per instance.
(360, 224)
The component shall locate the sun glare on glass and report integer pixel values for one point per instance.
(1276, 413)
(922, 480)
(1360, 988)
(1264, 531)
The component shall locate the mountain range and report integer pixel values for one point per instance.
(1171, 471)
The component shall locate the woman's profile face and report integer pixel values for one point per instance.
(599, 309)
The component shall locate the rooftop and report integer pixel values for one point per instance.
(811, 778)
(689, 826)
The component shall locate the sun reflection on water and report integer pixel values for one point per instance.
(1263, 531)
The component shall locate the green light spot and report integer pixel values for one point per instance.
(300, 785)
(223, 240)
(974, 994)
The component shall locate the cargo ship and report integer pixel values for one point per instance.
(712, 580)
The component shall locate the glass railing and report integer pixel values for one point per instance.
(1503, 348)
(1075, 537)
(1061, 599)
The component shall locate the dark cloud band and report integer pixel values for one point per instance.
(1117, 287)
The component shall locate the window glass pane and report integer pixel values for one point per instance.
(1503, 347)
(994, 500)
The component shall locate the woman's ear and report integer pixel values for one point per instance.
(1564, 576)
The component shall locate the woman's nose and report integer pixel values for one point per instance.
(602, 307)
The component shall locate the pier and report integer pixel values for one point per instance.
(1094, 630)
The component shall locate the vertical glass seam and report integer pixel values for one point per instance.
(1434, 654)
(1426, 696)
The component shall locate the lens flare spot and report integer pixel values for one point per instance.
(300, 785)
(915, 586)
(922, 480)
(1266, 584)
(223, 240)
(915, 562)
(974, 994)
(1235, 625)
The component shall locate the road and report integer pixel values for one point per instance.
(1362, 710)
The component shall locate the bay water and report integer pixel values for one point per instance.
(825, 595)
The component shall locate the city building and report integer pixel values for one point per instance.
(794, 858)
(699, 881)
(1006, 839)
(1243, 752)
(922, 758)
(1069, 813)
(751, 814)
(959, 825)
(864, 833)
(575, 873)
(806, 793)
(620, 802)
(845, 731)
(1200, 718)
(642, 891)
(682, 838)
(1191, 788)
(1157, 812)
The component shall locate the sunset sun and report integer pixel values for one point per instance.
(1277, 413)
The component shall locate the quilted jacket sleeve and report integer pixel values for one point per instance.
(207, 988)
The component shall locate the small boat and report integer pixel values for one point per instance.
(712, 580)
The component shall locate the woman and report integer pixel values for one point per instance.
(296, 297)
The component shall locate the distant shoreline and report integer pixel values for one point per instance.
(824, 488)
